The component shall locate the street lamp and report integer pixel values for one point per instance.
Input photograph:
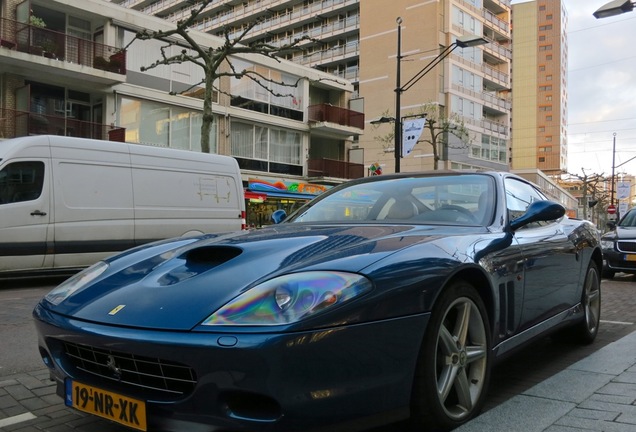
(461, 42)
(613, 167)
(613, 8)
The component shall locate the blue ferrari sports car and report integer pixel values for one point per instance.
(386, 298)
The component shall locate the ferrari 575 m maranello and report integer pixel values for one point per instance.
(385, 299)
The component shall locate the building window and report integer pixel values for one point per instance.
(548, 118)
(548, 57)
(545, 27)
(542, 159)
(283, 100)
(150, 122)
(542, 68)
(542, 7)
(545, 108)
(548, 77)
(541, 128)
(492, 149)
(548, 17)
(548, 139)
(545, 48)
(542, 37)
(267, 149)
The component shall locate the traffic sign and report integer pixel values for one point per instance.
(611, 209)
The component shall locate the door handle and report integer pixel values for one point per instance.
(38, 213)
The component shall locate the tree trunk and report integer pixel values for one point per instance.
(208, 116)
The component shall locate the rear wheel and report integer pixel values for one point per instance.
(454, 363)
(587, 330)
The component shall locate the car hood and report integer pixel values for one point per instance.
(177, 284)
(621, 233)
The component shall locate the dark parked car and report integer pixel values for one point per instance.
(619, 246)
(385, 298)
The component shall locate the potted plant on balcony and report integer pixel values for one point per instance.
(37, 21)
(49, 49)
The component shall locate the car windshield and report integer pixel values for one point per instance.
(629, 221)
(456, 199)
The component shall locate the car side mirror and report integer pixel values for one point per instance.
(538, 211)
(611, 225)
(278, 216)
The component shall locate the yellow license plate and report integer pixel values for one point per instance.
(630, 257)
(112, 406)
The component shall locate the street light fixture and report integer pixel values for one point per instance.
(460, 42)
(613, 8)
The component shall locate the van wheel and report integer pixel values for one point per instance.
(453, 368)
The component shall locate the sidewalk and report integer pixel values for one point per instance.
(597, 393)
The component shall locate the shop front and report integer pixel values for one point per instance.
(262, 198)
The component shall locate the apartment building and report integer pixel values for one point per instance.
(64, 71)
(540, 49)
(356, 40)
(471, 84)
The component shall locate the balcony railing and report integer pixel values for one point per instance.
(334, 114)
(60, 46)
(20, 123)
(334, 168)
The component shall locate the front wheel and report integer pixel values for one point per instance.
(453, 368)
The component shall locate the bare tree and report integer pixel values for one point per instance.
(438, 127)
(593, 192)
(216, 62)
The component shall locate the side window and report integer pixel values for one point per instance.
(21, 181)
(519, 195)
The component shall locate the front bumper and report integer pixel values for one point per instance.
(304, 381)
(619, 261)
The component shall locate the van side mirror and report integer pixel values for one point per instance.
(278, 216)
(611, 225)
(538, 211)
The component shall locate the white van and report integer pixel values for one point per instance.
(66, 203)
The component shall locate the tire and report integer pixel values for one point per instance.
(453, 368)
(585, 332)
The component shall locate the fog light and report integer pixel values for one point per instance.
(46, 358)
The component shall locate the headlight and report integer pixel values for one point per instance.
(76, 282)
(290, 298)
(607, 244)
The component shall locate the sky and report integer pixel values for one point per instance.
(601, 89)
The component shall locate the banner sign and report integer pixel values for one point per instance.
(622, 190)
(411, 132)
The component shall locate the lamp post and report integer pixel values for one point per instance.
(461, 42)
(397, 134)
(613, 167)
(613, 8)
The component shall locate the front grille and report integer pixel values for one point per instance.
(146, 372)
(626, 246)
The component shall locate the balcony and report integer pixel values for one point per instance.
(334, 169)
(54, 45)
(334, 120)
(20, 123)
